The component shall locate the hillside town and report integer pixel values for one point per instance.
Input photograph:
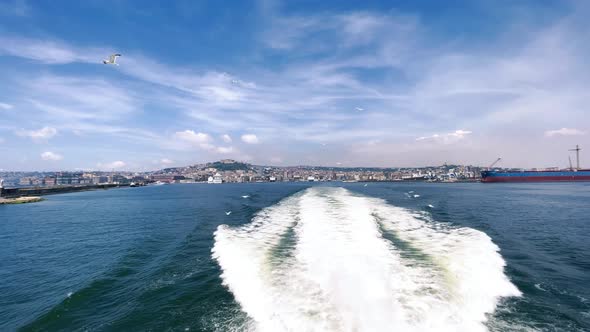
(231, 171)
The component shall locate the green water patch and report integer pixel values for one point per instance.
(284, 250)
(112, 295)
(406, 250)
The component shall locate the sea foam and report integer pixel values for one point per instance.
(326, 259)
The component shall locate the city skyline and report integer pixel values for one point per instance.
(273, 83)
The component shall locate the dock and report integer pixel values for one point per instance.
(41, 191)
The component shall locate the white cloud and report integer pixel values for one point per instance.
(446, 138)
(113, 165)
(40, 135)
(224, 150)
(564, 132)
(226, 138)
(1, 140)
(5, 106)
(48, 155)
(250, 139)
(166, 161)
(192, 137)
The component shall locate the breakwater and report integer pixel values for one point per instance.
(40, 191)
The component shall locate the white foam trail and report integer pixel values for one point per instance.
(328, 260)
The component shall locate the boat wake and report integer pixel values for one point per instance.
(326, 259)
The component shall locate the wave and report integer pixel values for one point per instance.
(326, 259)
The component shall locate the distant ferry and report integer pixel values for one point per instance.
(536, 176)
(567, 175)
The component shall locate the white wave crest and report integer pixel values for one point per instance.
(329, 260)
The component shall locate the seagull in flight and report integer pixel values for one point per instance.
(359, 108)
(112, 60)
(227, 213)
(246, 196)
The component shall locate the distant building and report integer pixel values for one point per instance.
(67, 178)
(120, 179)
(168, 178)
(49, 181)
(26, 181)
(216, 179)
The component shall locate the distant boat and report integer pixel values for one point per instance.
(550, 175)
(536, 176)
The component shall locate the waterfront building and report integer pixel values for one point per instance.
(67, 178)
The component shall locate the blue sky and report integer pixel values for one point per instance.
(342, 83)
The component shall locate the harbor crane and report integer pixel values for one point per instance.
(577, 149)
(494, 163)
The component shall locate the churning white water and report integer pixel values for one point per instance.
(326, 259)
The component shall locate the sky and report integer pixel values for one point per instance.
(330, 83)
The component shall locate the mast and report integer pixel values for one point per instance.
(577, 149)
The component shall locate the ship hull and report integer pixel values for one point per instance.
(536, 176)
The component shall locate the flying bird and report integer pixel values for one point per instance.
(359, 108)
(227, 213)
(246, 196)
(112, 60)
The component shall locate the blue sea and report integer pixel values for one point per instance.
(300, 257)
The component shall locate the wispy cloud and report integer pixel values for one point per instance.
(41, 135)
(226, 138)
(313, 73)
(46, 51)
(112, 165)
(564, 132)
(6, 106)
(51, 156)
(76, 98)
(447, 137)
